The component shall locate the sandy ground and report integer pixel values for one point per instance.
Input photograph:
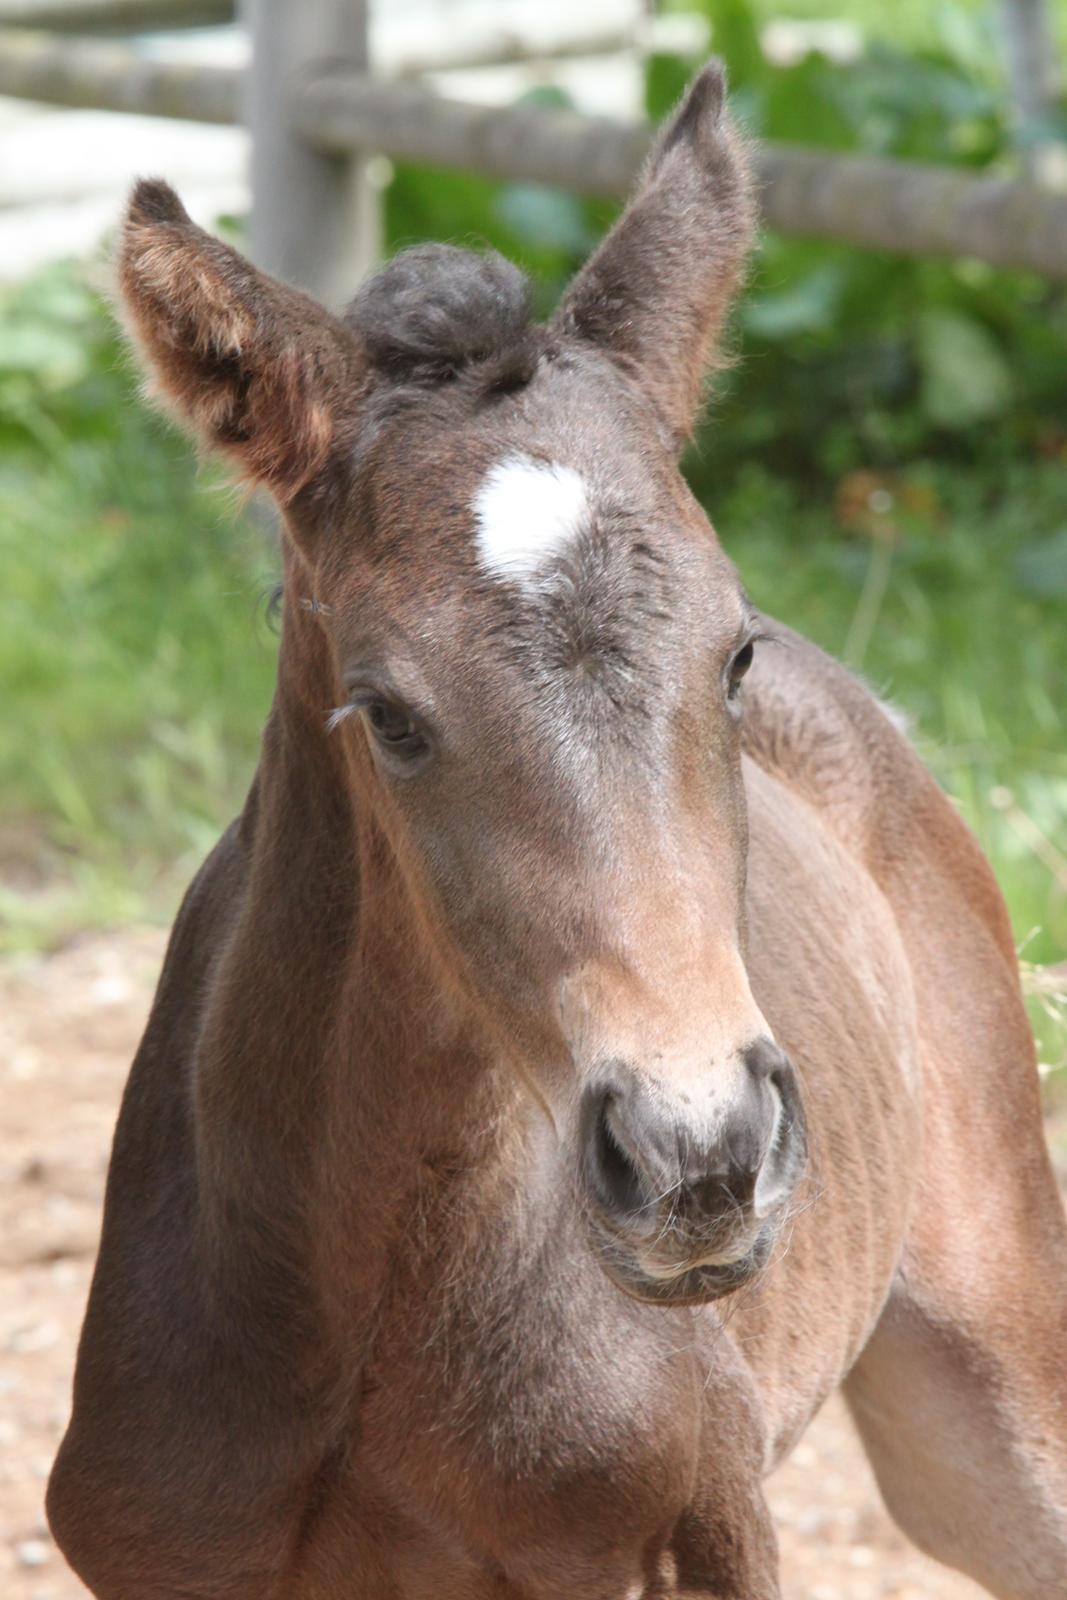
(68, 1026)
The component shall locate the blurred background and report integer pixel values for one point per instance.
(886, 461)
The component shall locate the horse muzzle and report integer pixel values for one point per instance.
(684, 1209)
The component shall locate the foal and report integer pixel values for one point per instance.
(584, 1053)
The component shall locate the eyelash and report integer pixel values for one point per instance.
(382, 716)
(338, 715)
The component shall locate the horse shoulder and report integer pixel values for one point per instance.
(881, 952)
(819, 729)
(171, 1465)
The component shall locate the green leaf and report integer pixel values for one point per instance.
(964, 377)
(735, 37)
(549, 95)
(967, 37)
(54, 354)
(806, 306)
(806, 102)
(665, 79)
(1041, 569)
(547, 219)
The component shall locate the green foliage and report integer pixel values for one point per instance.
(134, 672)
(964, 376)
(545, 230)
(904, 356)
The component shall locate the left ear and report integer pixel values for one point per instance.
(254, 368)
(656, 293)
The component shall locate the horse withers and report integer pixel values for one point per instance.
(598, 1038)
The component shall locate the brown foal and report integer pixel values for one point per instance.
(576, 1061)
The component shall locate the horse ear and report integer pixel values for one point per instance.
(655, 294)
(255, 368)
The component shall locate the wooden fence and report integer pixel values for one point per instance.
(316, 112)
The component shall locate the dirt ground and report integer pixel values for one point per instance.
(68, 1026)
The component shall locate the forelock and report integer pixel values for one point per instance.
(435, 310)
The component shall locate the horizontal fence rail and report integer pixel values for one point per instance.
(101, 75)
(496, 45)
(119, 16)
(897, 206)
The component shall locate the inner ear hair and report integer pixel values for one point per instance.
(257, 369)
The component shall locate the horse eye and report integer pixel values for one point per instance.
(393, 728)
(738, 667)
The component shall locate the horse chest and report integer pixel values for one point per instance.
(545, 1439)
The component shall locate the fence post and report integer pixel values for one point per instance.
(315, 216)
(1032, 70)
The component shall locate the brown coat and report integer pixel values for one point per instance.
(552, 911)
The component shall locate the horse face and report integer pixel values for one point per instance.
(537, 651)
(541, 655)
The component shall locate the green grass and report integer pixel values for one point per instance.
(135, 659)
(135, 665)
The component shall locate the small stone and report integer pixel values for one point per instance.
(24, 1065)
(35, 1337)
(111, 991)
(32, 1552)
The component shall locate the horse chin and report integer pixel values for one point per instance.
(693, 1286)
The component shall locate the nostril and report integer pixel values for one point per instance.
(765, 1061)
(786, 1151)
(772, 1075)
(722, 1195)
(616, 1174)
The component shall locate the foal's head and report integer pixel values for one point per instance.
(538, 652)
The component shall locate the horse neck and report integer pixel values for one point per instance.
(338, 1077)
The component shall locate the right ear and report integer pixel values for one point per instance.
(255, 368)
(654, 295)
